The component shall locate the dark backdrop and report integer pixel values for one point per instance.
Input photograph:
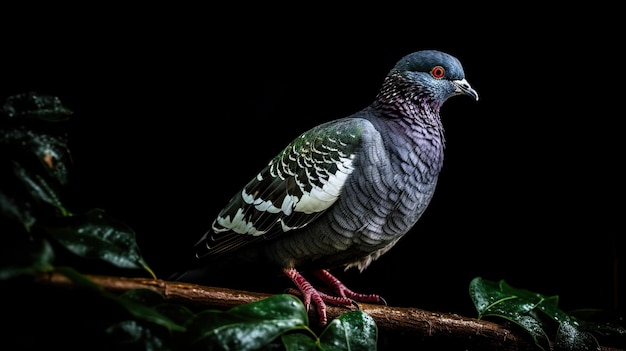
(175, 112)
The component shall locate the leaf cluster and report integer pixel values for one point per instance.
(550, 327)
(35, 164)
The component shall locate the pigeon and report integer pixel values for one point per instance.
(344, 192)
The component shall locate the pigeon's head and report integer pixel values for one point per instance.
(432, 75)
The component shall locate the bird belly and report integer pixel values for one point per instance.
(324, 244)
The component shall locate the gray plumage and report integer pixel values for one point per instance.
(344, 192)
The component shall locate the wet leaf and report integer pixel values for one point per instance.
(491, 298)
(39, 190)
(570, 337)
(34, 159)
(601, 322)
(539, 315)
(351, 331)
(258, 325)
(250, 326)
(282, 307)
(534, 328)
(29, 188)
(300, 342)
(95, 235)
(31, 136)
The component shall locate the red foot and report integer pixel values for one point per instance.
(308, 293)
(342, 290)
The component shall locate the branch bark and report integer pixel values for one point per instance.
(397, 326)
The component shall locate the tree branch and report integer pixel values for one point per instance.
(397, 326)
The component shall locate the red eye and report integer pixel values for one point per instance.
(438, 72)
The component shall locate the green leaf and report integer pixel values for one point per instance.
(536, 329)
(250, 326)
(95, 235)
(601, 322)
(38, 189)
(539, 315)
(281, 307)
(491, 298)
(571, 337)
(300, 342)
(353, 331)
(35, 147)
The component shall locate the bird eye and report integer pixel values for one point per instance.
(437, 72)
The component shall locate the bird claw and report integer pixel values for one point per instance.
(308, 293)
(343, 291)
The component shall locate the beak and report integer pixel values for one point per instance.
(463, 87)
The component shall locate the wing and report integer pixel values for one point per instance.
(296, 187)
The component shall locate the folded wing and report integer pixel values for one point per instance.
(298, 185)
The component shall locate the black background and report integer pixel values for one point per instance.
(176, 109)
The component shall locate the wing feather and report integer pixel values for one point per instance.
(295, 188)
